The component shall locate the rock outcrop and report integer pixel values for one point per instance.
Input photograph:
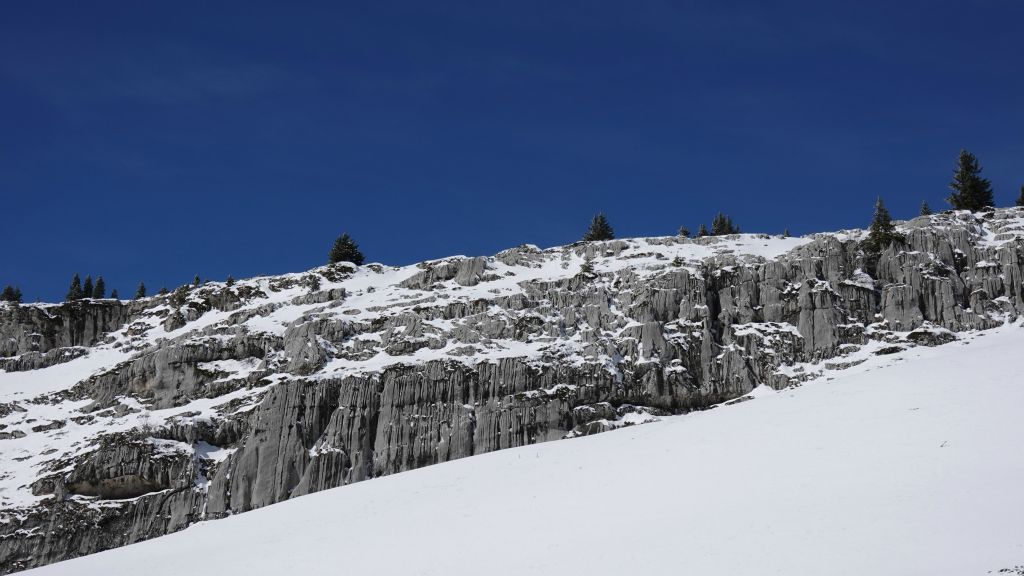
(43, 328)
(217, 399)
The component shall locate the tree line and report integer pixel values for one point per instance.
(80, 290)
(968, 191)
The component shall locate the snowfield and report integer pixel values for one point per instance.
(906, 464)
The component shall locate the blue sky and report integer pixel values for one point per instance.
(162, 141)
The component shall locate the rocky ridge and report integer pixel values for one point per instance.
(121, 421)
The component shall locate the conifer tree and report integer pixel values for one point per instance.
(723, 225)
(1020, 199)
(113, 294)
(231, 280)
(702, 231)
(599, 229)
(882, 231)
(195, 281)
(785, 233)
(140, 292)
(11, 294)
(87, 287)
(587, 267)
(75, 291)
(684, 231)
(345, 249)
(163, 291)
(926, 210)
(100, 289)
(970, 190)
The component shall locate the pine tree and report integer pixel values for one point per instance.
(925, 209)
(100, 289)
(10, 294)
(87, 287)
(723, 225)
(75, 291)
(882, 231)
(345, 250)
(195, 281)
(785, 233)
(231, 280)
(970, 190)
(684, 232)
(702, 231)
(1020, 199)
(140, 292)
(113, 294)
(599, 229)
(163, 291)
(587, 268)
(717, 225)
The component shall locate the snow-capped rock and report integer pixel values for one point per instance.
(110, 410)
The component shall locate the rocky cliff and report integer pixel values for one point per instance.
(121, 421)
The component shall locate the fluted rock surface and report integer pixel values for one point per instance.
(41, 329)
(137, 419)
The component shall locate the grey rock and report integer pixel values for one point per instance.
(677, 336)
(124, 467)
(29, 328)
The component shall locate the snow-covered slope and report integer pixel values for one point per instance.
(123, 421)
(906, 464)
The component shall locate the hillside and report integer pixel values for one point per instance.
(122, 421)
(906, 464)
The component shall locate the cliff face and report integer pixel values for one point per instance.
(124, 421)
(34, 337)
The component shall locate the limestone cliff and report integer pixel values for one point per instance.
(121, 421)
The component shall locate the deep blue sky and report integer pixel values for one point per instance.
(154, 143)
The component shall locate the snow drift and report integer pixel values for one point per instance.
(906, 464)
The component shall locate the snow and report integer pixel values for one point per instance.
(25, 458)
(235, 368)
(861, 279)
(207, 451)
(32, 383)
(905, 464)
(375, 291)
